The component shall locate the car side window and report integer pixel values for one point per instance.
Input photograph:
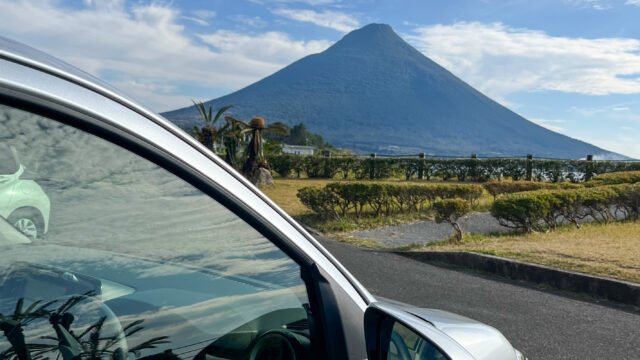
(107, 255)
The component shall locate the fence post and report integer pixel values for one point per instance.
(372, 169)
(473, 171)
(529, 167)
(421, 166)
(588, 172)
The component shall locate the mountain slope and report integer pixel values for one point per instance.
(371, 91)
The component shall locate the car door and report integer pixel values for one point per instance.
(156, 249)
(146, 254)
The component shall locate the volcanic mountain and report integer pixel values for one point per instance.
(373, 92)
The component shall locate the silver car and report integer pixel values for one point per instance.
(159, 250)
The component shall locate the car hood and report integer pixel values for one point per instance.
(482, 341)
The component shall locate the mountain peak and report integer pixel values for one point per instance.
(375, 28)
(370, 36)
(373, 92)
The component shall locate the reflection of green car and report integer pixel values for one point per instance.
(22, 202)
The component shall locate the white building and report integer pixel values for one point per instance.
(297, 149)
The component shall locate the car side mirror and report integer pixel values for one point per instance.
(392, 333)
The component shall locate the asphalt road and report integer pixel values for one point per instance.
(543, 324)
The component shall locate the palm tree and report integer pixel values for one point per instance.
(254, 152)
(232, 139)
(208, 134)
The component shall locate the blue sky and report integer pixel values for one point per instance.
(570, 65)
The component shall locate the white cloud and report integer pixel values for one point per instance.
(330, 19)
(624, 147)
(633, 2)
(204, 14)
(622, 109)
(592, 4)
(499, 60)
(549, 124)
(271, 47)
(254, 22)
(146, 47)
(196, 20)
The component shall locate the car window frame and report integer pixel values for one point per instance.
(321, 298)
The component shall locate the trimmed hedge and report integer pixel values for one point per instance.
(336, 200)
(496, 188)
(460, 169)
(537, 210)
(622, 177)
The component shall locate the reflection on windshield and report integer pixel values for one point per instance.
(135, 243)
(103, 338)
(23, 203)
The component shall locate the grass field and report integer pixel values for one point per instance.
(611, 250)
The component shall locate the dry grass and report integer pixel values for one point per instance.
(611, 250)
(284, 191)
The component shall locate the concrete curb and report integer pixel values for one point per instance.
(613, 290)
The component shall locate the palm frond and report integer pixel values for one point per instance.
(221, 111)
(203, 111)
(237, 121)
(278, 128)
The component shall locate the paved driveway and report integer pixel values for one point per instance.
(542, 324)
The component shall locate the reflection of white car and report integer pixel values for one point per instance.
(22, 202)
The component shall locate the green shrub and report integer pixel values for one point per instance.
(283, 164)
(496, 188)
(597, 202)
(622, 177)
(312, 166)
(524, 210)
(343, 198)
(533, 210)
(470, 193)
(321, 202)
(628, 200)
(450, 211)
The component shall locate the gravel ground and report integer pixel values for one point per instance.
(427, 231)
(423, 232)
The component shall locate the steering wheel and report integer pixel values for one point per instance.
(75, 324)
(403, 351)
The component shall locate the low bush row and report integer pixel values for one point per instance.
(460, 169)
(496, 188)
(338, 199)
(537, 210)
(622, 177)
